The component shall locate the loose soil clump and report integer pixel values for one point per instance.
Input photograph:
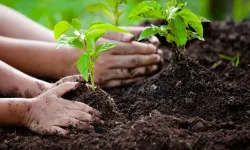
(187, 105)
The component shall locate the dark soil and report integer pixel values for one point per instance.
(188, 105)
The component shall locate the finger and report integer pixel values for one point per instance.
(116, 83)
(71, 122)
(64, 88)
(130, 48)
(79, 115)
(129, 73)
(135, 30)
(160, 52)
(74, 78)
(154, 40)
(74, 105)
(134, 61)
(122, 37)
(54, 130)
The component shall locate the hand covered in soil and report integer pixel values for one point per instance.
(50, 114)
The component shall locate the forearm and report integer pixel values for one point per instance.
(36, 58)
(14, 83)
(16, 25)
(13, 110)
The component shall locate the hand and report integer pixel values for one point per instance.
(49, 113)
(128, 62)
(136, 31)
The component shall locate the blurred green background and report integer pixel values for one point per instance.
(49, 12)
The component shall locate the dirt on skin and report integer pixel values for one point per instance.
(185, 106)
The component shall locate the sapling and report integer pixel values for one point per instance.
(111, 10)
(85, 40)
(182, 24)
(235, 60)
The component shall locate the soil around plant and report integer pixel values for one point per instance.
(187, 105)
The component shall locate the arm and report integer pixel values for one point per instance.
(12, 111)
(16, 25)
(45, 113)
(37, 58)
(17, 84)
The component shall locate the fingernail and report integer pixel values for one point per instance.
(158, 57)
(95, 113)
(77, 85)
(128, 38)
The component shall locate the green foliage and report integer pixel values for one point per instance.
(182, 24)
(85, 40)
(112, 11)
(241, 9)
(235, 60)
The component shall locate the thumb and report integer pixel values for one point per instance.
(122, 37)
(64, 88)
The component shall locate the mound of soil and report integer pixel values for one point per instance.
(188, 105)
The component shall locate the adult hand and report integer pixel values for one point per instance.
(128, 62)
(50, 114)
(135, 33)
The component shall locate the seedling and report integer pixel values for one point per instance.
(112, 10)
(235, 60)
(183, 25)
(85, 40)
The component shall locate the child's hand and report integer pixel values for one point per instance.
(50, 114)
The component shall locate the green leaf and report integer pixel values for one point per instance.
(61, 28)
(62, 41)
(76, 24)
(148, 9)
(170, 38)
(113, 3)
(225, 57)
(102, 7)
(203, 19)
(103, 47)
(149, 32)
(178, 29)
(76, 43)
(83, 64)
(106, 27)
(121, 13)
(193, 35)
(237, 60)
(92, 36)
(171, 3)
(192, 20)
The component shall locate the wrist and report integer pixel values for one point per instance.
(28, 114)
(69, 57)
(14, 111)
(40, 87)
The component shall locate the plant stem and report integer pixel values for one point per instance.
(92, 77)
(116, 14)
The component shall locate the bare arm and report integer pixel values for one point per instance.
(16, 25)
(37, 58)
(46, 113)
(12, 111)
(17, 84)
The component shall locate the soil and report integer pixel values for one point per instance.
(187, 105)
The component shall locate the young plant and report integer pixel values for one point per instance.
(112, 11)
(235, 60)
(182, 25)
(85, 40)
